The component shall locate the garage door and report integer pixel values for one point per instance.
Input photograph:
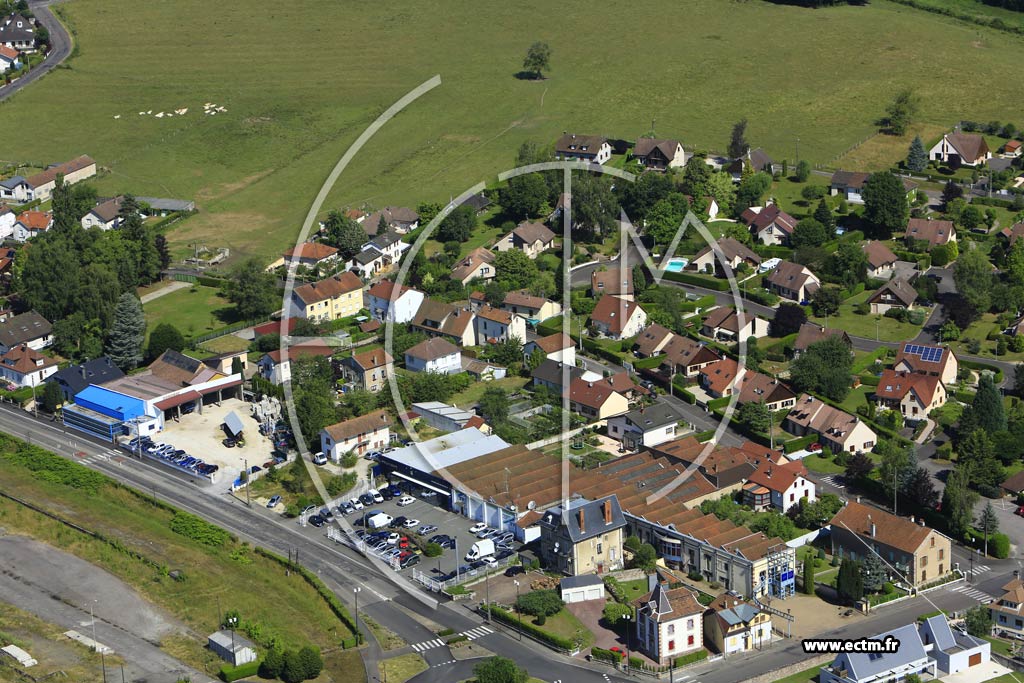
(974, 659)
(574, 595)
(595, 592)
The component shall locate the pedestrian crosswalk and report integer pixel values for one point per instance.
(95, 458)
(471, 634)
(478, 632)
(980, 568)
(971, 592)
(833, 480)
(428, 645)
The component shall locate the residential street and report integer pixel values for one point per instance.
(59, 40)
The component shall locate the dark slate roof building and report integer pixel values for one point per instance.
(75, 378)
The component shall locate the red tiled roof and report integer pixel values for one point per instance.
(778, 477)
(35, 220)
(895, 385)
(334, 286)
(359, 425)
(891, 530)
(555, 342)
(614, 312)
(385, 289)
(315, 251)
(65, 169)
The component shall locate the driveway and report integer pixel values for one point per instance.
(60, 43)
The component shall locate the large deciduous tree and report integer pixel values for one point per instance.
(788, 319)
(900, 113)
(973, 277)
(537, 60)
(344, 234)
(885, 204)
(824, 368)
(252, 290)
(524, 196)
(164, 336)
(738, 145)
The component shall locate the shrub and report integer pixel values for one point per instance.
(636, 663)
(540, 603)
(999, 546)
(233, 673)
(432, 550)
(540, 620)
(695, 576)
(349, 460)
(614, 612)
(606, 655)
(198, 530)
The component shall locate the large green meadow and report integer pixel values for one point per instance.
(300, 80)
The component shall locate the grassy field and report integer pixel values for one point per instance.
(192, 312)
(254, 169)
(566, 625)
(402, 668)
(888, 329)
(47, 643)
(476, 390)
(808, 676)
(287, 607)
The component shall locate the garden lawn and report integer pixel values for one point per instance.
(254, 168)
(194, 313)
(228, 343)
(634, 589)
(979, 330)
(566, 625)
(857, 398)
(820, 465)
(787, 194)
(857, 325)
(476, 390)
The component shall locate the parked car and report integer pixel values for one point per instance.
(426, 529)
(411, 523)
(356, 503)
(486, 533)
(375, 494)
(477, 528)
(504, 537)
(515, 570)
(394, 490)
(814, 447)
(346, 508)
(410, 560)
(406, 500)
(272, 503)
(366, 499)
(317, 521)
(320, 458)
(306, 510)
(386, 493)
(398, 521)
(393, 538)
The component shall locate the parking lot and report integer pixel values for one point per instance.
(426, 511)
(201, 435)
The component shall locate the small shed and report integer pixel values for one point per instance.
(581, 588)
(18, 655)
(232, 647)
(233, 423)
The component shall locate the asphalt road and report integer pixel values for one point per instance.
(60, 44)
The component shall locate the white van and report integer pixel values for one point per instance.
(377, 498)
(378, 521)
(480, 549)
(320, 458)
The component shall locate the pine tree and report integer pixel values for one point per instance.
(124, 346)
(809, 576)
(148, 258)
(988, 523)
(823, 215)
(988, 406)
(873, 573)
(917, 157)
(163, 251)
(849, 583)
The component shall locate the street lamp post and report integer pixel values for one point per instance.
(355, 592)
(517, 610)
(232, 622)
(628, 619)
(487, 589)
(971, 577)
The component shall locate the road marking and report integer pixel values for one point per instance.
(478, 632)
(971, 592)
(832, 480)
(428, 645)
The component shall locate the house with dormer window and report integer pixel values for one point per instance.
(588, 148)
(669, 623)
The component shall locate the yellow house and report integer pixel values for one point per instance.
(731, 625)
(336, 297)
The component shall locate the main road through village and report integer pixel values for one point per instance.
(394, 607)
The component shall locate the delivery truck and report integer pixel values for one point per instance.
(480, 549)
(378, 521)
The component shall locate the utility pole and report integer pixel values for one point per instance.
(517, 611)
(487, 588)
(231, 624)
(628, 620)
(248, 500)
(894, 472)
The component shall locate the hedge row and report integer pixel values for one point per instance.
(716, 403)
(209, 281)
(993, 201)
(330, 598)
(233, 673)
(692, 657)
(975, 365)
(697, 280)
(799, 444)
(535, 631)
(595, 348)
(605, 655)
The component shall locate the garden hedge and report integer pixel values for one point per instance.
(537, 632)
(233, 673)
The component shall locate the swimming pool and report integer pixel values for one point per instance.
(676, 264)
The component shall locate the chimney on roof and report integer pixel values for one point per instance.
(912, 518)
(871, 527)
(582, 529)
(608, 512)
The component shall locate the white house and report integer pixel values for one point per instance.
(9, 59)
(406, 301)
(26, 367)
(618, 318)
(656, 154)
(434, 355)
(279, 370)
(7, 221)
(778, 487)
(646, 426)
(967, 149)
(558, 347)
(589, 148)
(32, 223)
(494, 325)
(360, 435)
(669, 624)
(105, 215)
(837, 430)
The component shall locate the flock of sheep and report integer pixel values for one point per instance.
(209, 108)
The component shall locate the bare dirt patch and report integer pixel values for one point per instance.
(226, 189)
